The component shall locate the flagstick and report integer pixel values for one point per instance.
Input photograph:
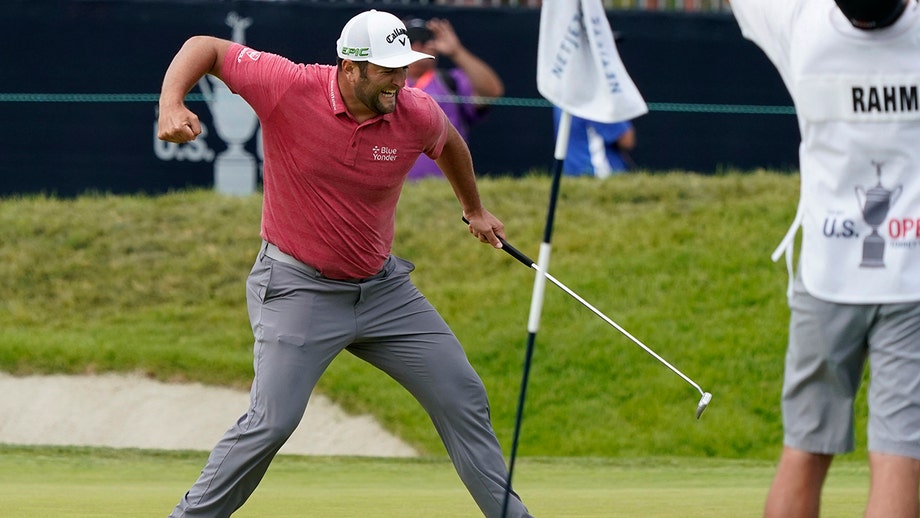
(539, 287)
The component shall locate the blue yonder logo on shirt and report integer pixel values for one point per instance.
(383, 153)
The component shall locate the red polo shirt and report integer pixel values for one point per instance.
(331, 185)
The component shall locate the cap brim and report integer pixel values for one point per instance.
(400, 60)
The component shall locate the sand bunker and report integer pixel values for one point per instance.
(129, 411)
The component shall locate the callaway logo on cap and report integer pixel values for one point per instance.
(379, 38)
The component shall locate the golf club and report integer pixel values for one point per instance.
(705, 398)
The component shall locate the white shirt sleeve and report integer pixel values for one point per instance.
(768, 23)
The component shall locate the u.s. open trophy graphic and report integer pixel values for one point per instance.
(235, 170)
(875, 203)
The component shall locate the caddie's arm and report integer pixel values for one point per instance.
(457, 165)
(199, 55)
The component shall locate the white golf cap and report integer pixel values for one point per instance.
(379, 38)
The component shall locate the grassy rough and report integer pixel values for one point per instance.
(156, 285)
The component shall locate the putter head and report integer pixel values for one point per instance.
(704, 402)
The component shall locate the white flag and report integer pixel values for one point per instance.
(578, 66)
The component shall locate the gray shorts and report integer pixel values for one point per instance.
(829, 344)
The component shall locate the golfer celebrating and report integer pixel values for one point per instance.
(339, 142)
(852, 68)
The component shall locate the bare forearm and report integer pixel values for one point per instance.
(485, 81)
(628, 140)
(457, 165)
(199, 55)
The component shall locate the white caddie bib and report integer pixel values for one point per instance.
(857, 98)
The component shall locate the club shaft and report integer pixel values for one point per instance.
(607, 319)
(527, 261)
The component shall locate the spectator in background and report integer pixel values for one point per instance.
(596, 148)
(470, 77)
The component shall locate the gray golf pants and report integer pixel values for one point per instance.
(301, 321)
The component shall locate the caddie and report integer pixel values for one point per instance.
(852, 69)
